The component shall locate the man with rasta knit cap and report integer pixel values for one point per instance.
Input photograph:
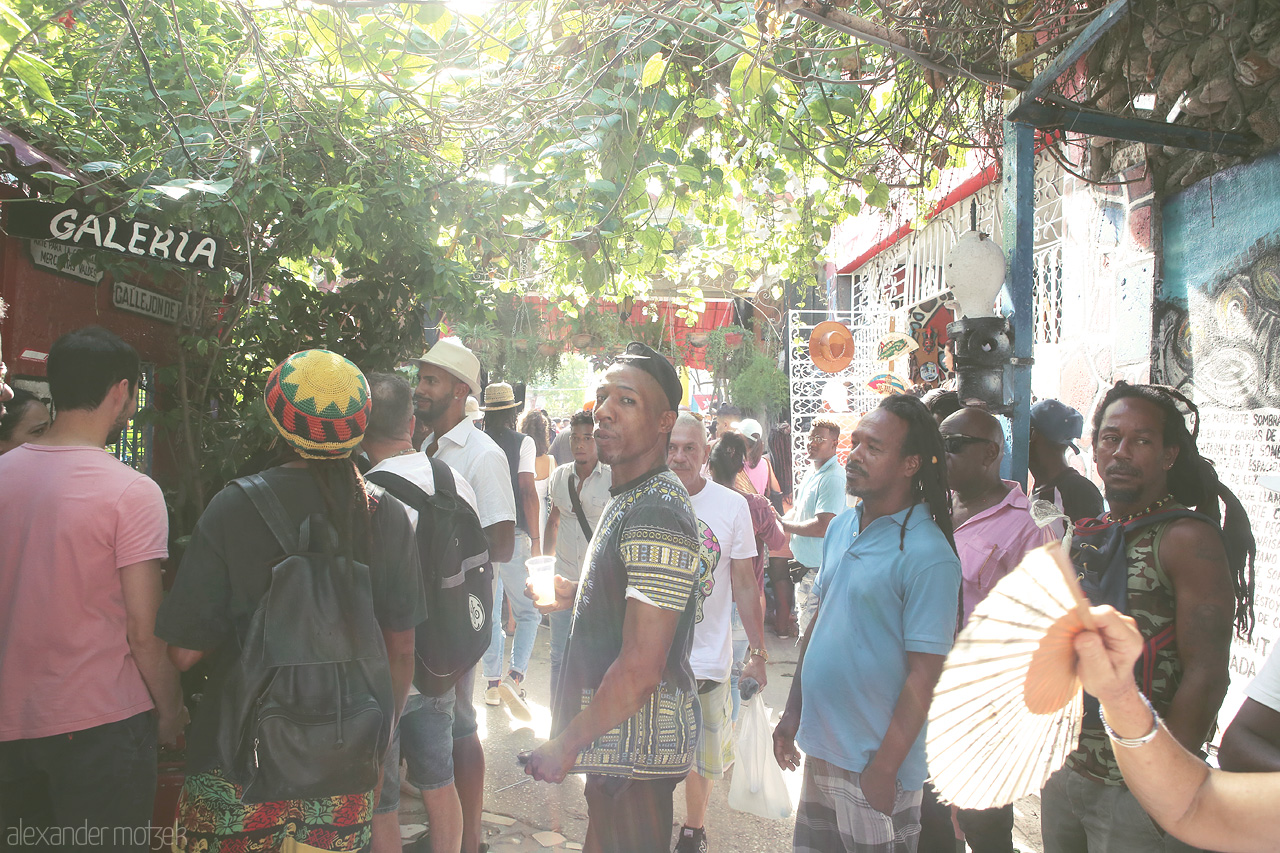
(319, 403)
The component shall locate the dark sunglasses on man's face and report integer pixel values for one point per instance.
(958, 443)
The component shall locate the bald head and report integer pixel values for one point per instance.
(974, 442)
(974, 422)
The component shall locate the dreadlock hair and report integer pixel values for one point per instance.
(727, 458)
(496, 420)
(347, 504)
(1193, 482)
(930, 482)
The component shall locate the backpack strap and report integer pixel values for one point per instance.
(272, 511)
(443, 475)
(402, 487)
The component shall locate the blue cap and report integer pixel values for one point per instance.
(1057, 422)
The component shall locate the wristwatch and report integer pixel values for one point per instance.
(763, 654)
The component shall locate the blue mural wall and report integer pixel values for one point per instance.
(1216, 335)
(1216, 319)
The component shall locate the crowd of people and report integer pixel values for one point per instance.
(664, 538)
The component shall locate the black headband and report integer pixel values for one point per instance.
(655, 364)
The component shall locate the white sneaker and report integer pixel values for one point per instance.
(492, 697)
(511, 693)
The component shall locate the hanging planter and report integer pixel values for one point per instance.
(698, 339)
(546, 350)
(521, 344)
(583, 340)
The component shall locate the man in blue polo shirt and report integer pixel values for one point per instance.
(888, 596)
(820, 499)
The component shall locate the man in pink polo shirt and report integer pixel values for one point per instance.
(994, 530)
(85, 686)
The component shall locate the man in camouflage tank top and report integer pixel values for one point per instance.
(1180, 591)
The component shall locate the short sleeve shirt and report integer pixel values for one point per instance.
(226, 570)
(1265, 687)
(822, 491)
(70, 519)
(483, 464)
(646, 540)
(571, 544)
(880, 596)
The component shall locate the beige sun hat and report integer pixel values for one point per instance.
(450, 355)
(498, 396)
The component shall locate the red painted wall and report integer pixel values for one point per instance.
(45, 305)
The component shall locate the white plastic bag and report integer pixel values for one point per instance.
(758, 786)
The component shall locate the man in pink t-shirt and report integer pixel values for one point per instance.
(86, 688)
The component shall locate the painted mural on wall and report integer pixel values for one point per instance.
(1216, 336)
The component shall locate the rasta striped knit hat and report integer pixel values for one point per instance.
(319, 402)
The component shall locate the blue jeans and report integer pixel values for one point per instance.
(512, 575)
(740, 644)
(424, 739)
(561, 621)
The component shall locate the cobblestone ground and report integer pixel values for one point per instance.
(522, 816)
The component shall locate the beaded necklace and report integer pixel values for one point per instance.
(1158, 505)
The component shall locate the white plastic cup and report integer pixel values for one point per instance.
(542, 574)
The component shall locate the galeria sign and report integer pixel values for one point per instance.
(75, 226)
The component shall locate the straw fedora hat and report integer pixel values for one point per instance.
(450, 355)
(831, 346)
(498, 396)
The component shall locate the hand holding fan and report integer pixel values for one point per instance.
(1007, 709)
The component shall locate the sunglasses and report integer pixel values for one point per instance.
(958, 443)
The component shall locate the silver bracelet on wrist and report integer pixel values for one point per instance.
(1131, 742)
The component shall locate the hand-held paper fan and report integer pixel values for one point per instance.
(1007, 709)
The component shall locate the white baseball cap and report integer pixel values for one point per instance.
(750, 427)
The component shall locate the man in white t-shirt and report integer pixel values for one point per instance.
(726, 576)
(424, 737)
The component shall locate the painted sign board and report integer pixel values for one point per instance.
(74, 226)
(148, 303)
(55, 257)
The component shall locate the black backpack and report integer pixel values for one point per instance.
(457, 577)
(306, 711)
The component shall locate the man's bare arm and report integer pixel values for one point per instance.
(502, 540)
(1251, 744)
(750, 601)
(909, 714)
(532, 515)
(142, 595)
(784, 734)
(815, 527)
(552, 534)
(1230, 812)
(1192, 555)
(647, 633)
(400, 653)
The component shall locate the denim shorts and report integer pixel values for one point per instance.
(424, 739)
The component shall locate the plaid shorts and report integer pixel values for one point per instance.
(714, 755)
(834, 816)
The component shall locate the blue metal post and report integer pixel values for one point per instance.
(1018, 188)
